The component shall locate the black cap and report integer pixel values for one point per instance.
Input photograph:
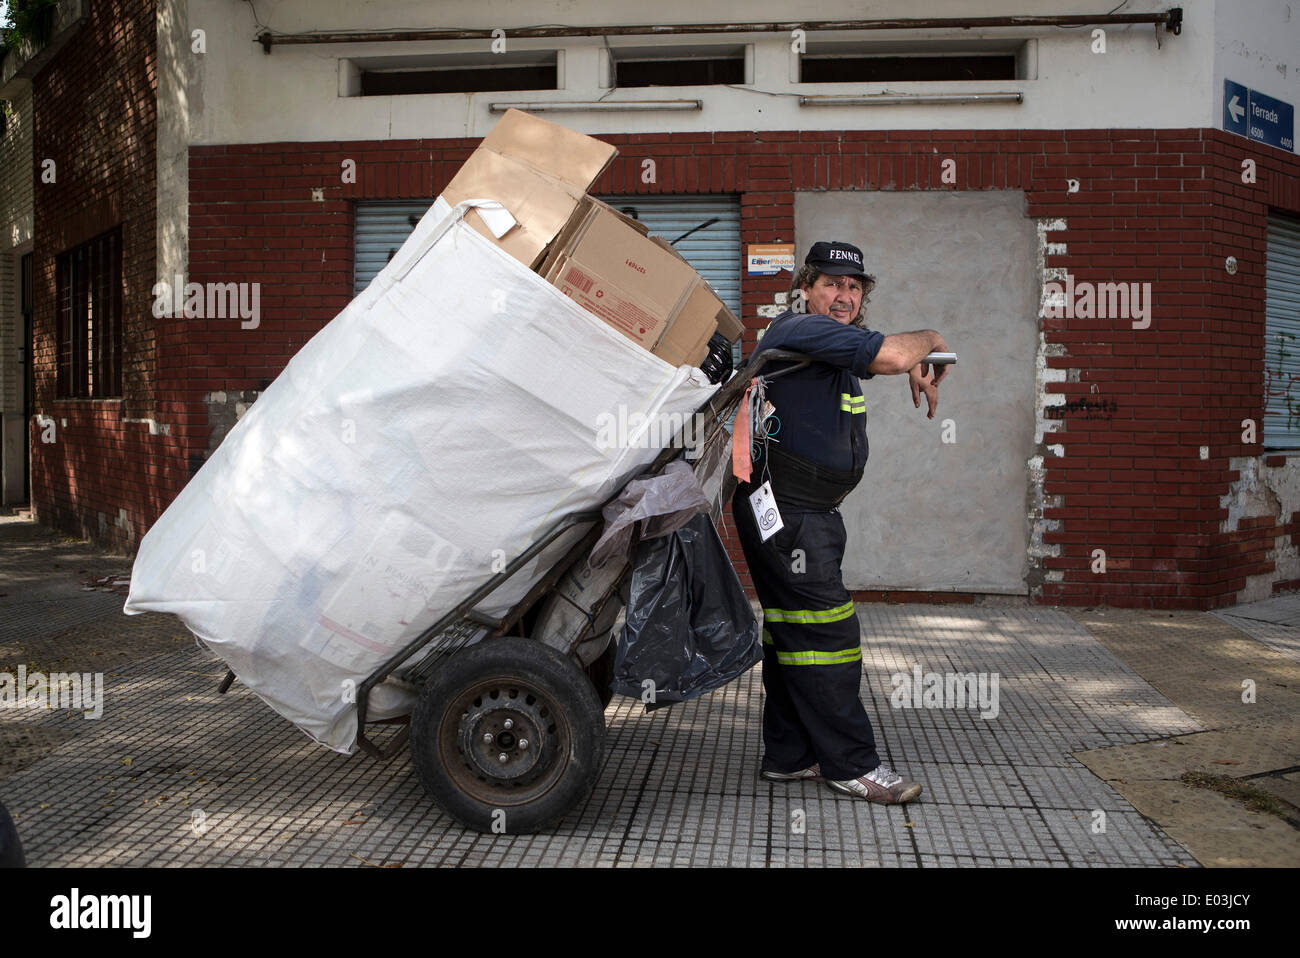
(837, 259)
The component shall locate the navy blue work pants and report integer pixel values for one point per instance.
(812, 652)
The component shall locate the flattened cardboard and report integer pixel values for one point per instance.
(572, 157)
(539, 171)
(540, 204)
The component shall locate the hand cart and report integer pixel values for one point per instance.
(508, 732)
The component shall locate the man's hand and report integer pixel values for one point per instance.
(917, 379)
(920, 380)
(939, 371)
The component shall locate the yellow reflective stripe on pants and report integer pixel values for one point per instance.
(842, 657)
(854, 404)
(810, 616)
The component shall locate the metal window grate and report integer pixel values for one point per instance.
(89, 297)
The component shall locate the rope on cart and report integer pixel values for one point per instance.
(761, 432)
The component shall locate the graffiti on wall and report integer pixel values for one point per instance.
(1083, 408)
(1278, 383)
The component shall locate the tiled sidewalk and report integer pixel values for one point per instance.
(175, 775)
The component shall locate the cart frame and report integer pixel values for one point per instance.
(457, 628)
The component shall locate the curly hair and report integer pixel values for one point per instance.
(807, 275)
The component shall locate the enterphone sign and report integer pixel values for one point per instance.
(1258, 117)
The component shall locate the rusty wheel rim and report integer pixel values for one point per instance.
(504, 742)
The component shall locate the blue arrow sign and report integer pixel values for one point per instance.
(1258, 116)
(1236, 103)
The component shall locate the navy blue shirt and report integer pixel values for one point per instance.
(822, 410)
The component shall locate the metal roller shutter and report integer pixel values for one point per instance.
(713, 249)
(1282, 337)
(381, 228)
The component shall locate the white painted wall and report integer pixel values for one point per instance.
(175, 73)
(16, 173)
(1257, 43)
(241, 95)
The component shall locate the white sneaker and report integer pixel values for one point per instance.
(812, 773)
(881, 784)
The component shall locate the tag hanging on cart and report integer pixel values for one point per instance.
(766, 514)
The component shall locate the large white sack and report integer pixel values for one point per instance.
(451, 410)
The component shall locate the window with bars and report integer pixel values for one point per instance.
(89, 282)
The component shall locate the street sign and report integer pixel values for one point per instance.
(1258, 116)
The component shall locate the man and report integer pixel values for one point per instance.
(814, 725)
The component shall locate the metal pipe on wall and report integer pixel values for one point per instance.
(1171, 19)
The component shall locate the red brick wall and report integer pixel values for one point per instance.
(101, 137)
(1238, 228)
(1133, 485)
(1153, 206)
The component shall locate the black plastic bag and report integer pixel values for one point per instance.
(689, 627)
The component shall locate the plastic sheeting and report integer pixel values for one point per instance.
(445, 420)
(689, 627)
(654, 506)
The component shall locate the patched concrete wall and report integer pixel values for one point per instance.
(1268, 492)
(225, 408)
(931, 514)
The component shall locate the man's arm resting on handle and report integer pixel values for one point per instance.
(901, 352)
(826, 341)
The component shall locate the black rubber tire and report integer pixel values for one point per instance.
(468, 697)
(601, 673)
(11, 848)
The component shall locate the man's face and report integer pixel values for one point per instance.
(839, 297)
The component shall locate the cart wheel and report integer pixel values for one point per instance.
(508, 736)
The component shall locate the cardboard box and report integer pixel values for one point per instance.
(616, 273)
(622, 309)
(727, 323)
(636, 283)
(686, 342)
(577, 225)
(539, 171)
